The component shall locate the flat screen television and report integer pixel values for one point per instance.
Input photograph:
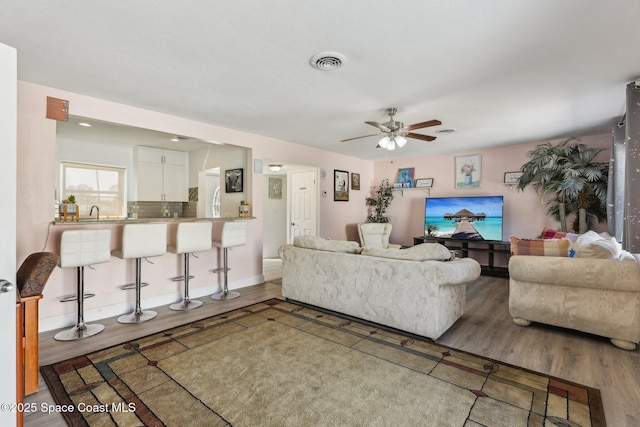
(468, 218)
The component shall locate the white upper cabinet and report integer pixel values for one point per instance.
(161, 175)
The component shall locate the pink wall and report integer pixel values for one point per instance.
(524, 214)
(35, 202)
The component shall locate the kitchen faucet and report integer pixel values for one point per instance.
(97, 212)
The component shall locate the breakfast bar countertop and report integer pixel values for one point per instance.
(92, 221)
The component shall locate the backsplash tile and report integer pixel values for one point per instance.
(146, 210)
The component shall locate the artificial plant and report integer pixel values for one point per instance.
(378, 204)
(570, 173)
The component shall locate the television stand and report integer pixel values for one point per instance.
(465, 247)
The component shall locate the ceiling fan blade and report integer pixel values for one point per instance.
(424, 124)
(383, 128)
(419, 136)
(358, 137)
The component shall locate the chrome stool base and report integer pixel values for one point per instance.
(77, 333)
(137, 317)
(223, 296)
(186, 305)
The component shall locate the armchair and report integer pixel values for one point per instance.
(375, 235)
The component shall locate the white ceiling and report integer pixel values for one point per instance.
(496, 71)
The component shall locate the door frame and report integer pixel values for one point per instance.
(8, 192)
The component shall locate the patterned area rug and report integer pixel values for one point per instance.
(281, 364)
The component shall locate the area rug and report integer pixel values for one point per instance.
(282, 364)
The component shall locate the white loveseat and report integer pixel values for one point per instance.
(597, 291)
(392, 287)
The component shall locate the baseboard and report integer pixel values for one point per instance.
(104, 312)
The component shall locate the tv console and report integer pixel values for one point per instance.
(464, 247)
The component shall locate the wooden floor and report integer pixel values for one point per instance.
(485, 329)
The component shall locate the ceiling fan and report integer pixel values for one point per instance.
(395, 132)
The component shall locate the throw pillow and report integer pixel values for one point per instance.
(541, 247)
(422, 252)
(321, 244)
(594, 245)
(549, 233)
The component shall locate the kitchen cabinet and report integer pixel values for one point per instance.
(161, 175)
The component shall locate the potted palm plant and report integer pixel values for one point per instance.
(383, 195)
(569, 172)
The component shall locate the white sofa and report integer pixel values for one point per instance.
(392, 287)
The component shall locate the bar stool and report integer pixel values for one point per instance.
(234, 233)
(141, 241)
(80, 248)
(190, 237)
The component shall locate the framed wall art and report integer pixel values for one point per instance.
(340, 186)
(468, 171)
(233, 180)
(355, 181)
(512, 177)
(275, 188)
(405, 178)
(424, 182)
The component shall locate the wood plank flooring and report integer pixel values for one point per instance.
(485, 329)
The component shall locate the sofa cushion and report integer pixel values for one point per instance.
(542, 247)
(594, 245)
(422, 252)
(322, 244)
(549, 233)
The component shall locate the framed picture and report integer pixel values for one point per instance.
(512, 177)
(233, 180)
(405, 178)
(468, 171)
(340, 186)
(424, 183)
(355, 181)
(275, 188)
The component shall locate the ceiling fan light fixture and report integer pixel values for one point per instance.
(401, 141)
(275, 167)
(384, 142)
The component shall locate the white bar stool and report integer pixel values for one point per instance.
(190, 237)
(80, 248)
(141, 241)
(234, 233)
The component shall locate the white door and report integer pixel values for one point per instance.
(8, 123)
(303, 208)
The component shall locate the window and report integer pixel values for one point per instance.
(98, 185)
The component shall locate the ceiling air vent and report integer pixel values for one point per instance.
(327, 61)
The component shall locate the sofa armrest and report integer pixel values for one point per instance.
(578, 272)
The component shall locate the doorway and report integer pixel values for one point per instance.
(290, 197)
(209, 193)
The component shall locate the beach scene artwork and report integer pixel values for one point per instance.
(470, 218)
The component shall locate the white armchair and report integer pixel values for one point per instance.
(375, 235)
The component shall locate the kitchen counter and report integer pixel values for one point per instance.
(146, 220)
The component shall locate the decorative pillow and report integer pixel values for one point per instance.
(422, 252)
(542, 247)
(322, 244)
(548, 233)
(594, 245)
